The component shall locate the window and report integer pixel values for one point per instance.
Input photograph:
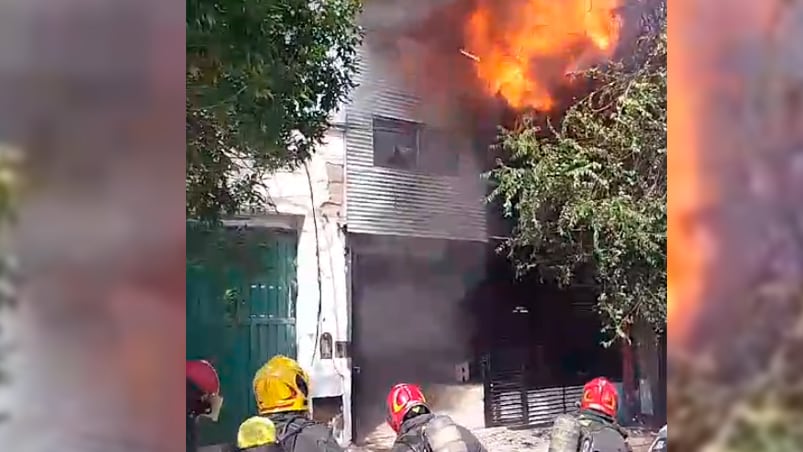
(396, 143)
(440, 152)
(411, 146)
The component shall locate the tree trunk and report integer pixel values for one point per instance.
(647, 356)
(628, 380)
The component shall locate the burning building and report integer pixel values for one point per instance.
(395, 275)
(428, 293)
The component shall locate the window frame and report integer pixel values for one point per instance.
(421, 158)
(400, 123)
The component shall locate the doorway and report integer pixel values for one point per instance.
(410, 323)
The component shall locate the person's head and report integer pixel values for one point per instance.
(600, 396)
(203, 390)
(257, 434)
(404, 402)
(280, 386)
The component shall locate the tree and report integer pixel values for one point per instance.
(589, 196)
(11, 184)
(263, 78)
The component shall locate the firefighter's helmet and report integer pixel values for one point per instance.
(256, 431)
(204, 376)
(203, 385)
(600, 395)
(281, 385)
(404, 398)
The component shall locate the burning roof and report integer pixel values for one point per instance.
(525, 48)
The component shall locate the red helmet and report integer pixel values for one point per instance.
(204, 376)
(600, 395)
(401, 399)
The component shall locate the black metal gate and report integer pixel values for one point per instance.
(512, 399)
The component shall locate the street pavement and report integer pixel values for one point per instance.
(502, 439)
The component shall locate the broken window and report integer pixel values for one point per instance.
(396, 143)
(415, 147)
(440, 152)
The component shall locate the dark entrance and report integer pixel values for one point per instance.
(539, 344)
(409, 322)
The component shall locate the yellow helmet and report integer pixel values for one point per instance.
(281, 385)
(256, 431)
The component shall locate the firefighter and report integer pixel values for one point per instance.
(660, 443)
(257, 434)
(203, 398)
(281, 389)
(420, 430)
(594, 428)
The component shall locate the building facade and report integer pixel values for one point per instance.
(385, 228)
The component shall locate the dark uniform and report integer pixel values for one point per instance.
(599, 433)
(295, 432)
(192, 433)
(263, 448)
(435, 433)
(194, 408)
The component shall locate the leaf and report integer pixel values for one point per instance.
(589, 199)
(258, 72)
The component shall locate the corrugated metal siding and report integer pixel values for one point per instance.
(393, 202)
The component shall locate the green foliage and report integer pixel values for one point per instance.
(589, 197)
(263, 78)
(11, 164)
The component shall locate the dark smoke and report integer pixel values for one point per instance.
(423, 40)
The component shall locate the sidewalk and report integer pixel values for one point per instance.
(502, 439)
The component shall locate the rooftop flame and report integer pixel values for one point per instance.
(524, 48)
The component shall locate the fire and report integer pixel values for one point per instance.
(691, 188)
(689, 246)
(684, 272)
(525, 48)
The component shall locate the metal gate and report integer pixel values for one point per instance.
(511, 399)
(240, 310)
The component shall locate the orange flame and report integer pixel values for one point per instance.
(688, 244)
(525, 48)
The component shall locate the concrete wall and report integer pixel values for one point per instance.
(294, 208)
(411, 324)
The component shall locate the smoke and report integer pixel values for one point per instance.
(93, 97)
(411, 319)
(419, 43)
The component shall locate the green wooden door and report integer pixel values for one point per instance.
(240, 311)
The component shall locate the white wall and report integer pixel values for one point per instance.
(290, 193)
